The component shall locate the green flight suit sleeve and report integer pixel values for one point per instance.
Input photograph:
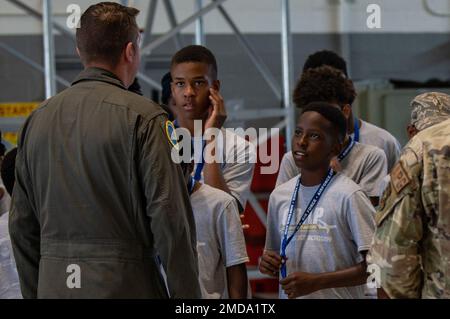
(168, 206)
(24, 229)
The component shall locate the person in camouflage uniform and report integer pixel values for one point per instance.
(411, 246)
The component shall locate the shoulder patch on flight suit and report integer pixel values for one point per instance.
(399, 178)
(172, 134)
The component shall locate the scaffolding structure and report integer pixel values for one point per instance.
(282, 92)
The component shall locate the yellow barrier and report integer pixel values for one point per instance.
(10, 137)
(9, 110)
(17, 109)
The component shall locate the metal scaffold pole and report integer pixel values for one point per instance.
(199, 27)
(49, 49)
(286, 49)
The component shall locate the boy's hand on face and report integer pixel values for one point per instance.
(217, 112)
(270, 263)
(299, 284)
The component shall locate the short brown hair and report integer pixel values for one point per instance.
(105, 30)
(324, 84)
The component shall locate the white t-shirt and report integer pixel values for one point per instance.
(376, 136)
(9, 279)
(220, 239)
(238, 162)
(365, 165)
(333, 235)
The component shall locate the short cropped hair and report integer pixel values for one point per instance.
(324, 84)
(199, 54)
(333, 115)
(326, 57)
(105, 30)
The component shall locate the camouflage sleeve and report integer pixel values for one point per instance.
(395, 247)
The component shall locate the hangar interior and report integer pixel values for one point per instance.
(260, 46)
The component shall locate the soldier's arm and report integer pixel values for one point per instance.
(396, 242)
(24, 229)
(168, 206)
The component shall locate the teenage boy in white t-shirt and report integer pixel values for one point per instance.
(325, 258)
(195, 91)
(365, 164)
(222, 254)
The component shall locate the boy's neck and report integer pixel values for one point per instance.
(190, 125)
(313, 178)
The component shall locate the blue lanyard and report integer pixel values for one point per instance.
(200, 165)
(310, 208)
(191, 185)
(345, 152)
(356, 130)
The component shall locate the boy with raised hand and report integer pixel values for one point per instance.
(364, 164)
(195, 90)
(320, 223)
(221, 249)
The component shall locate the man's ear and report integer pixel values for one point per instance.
(130, 52)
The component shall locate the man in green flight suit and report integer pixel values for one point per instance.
(97, 195)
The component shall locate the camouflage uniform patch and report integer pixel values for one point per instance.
(399, 177)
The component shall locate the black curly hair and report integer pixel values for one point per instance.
(326, 57)
(324, 84)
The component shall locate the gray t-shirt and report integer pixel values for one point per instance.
(376, 136)
(220, 239)
(332, 237)
(365, 165)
